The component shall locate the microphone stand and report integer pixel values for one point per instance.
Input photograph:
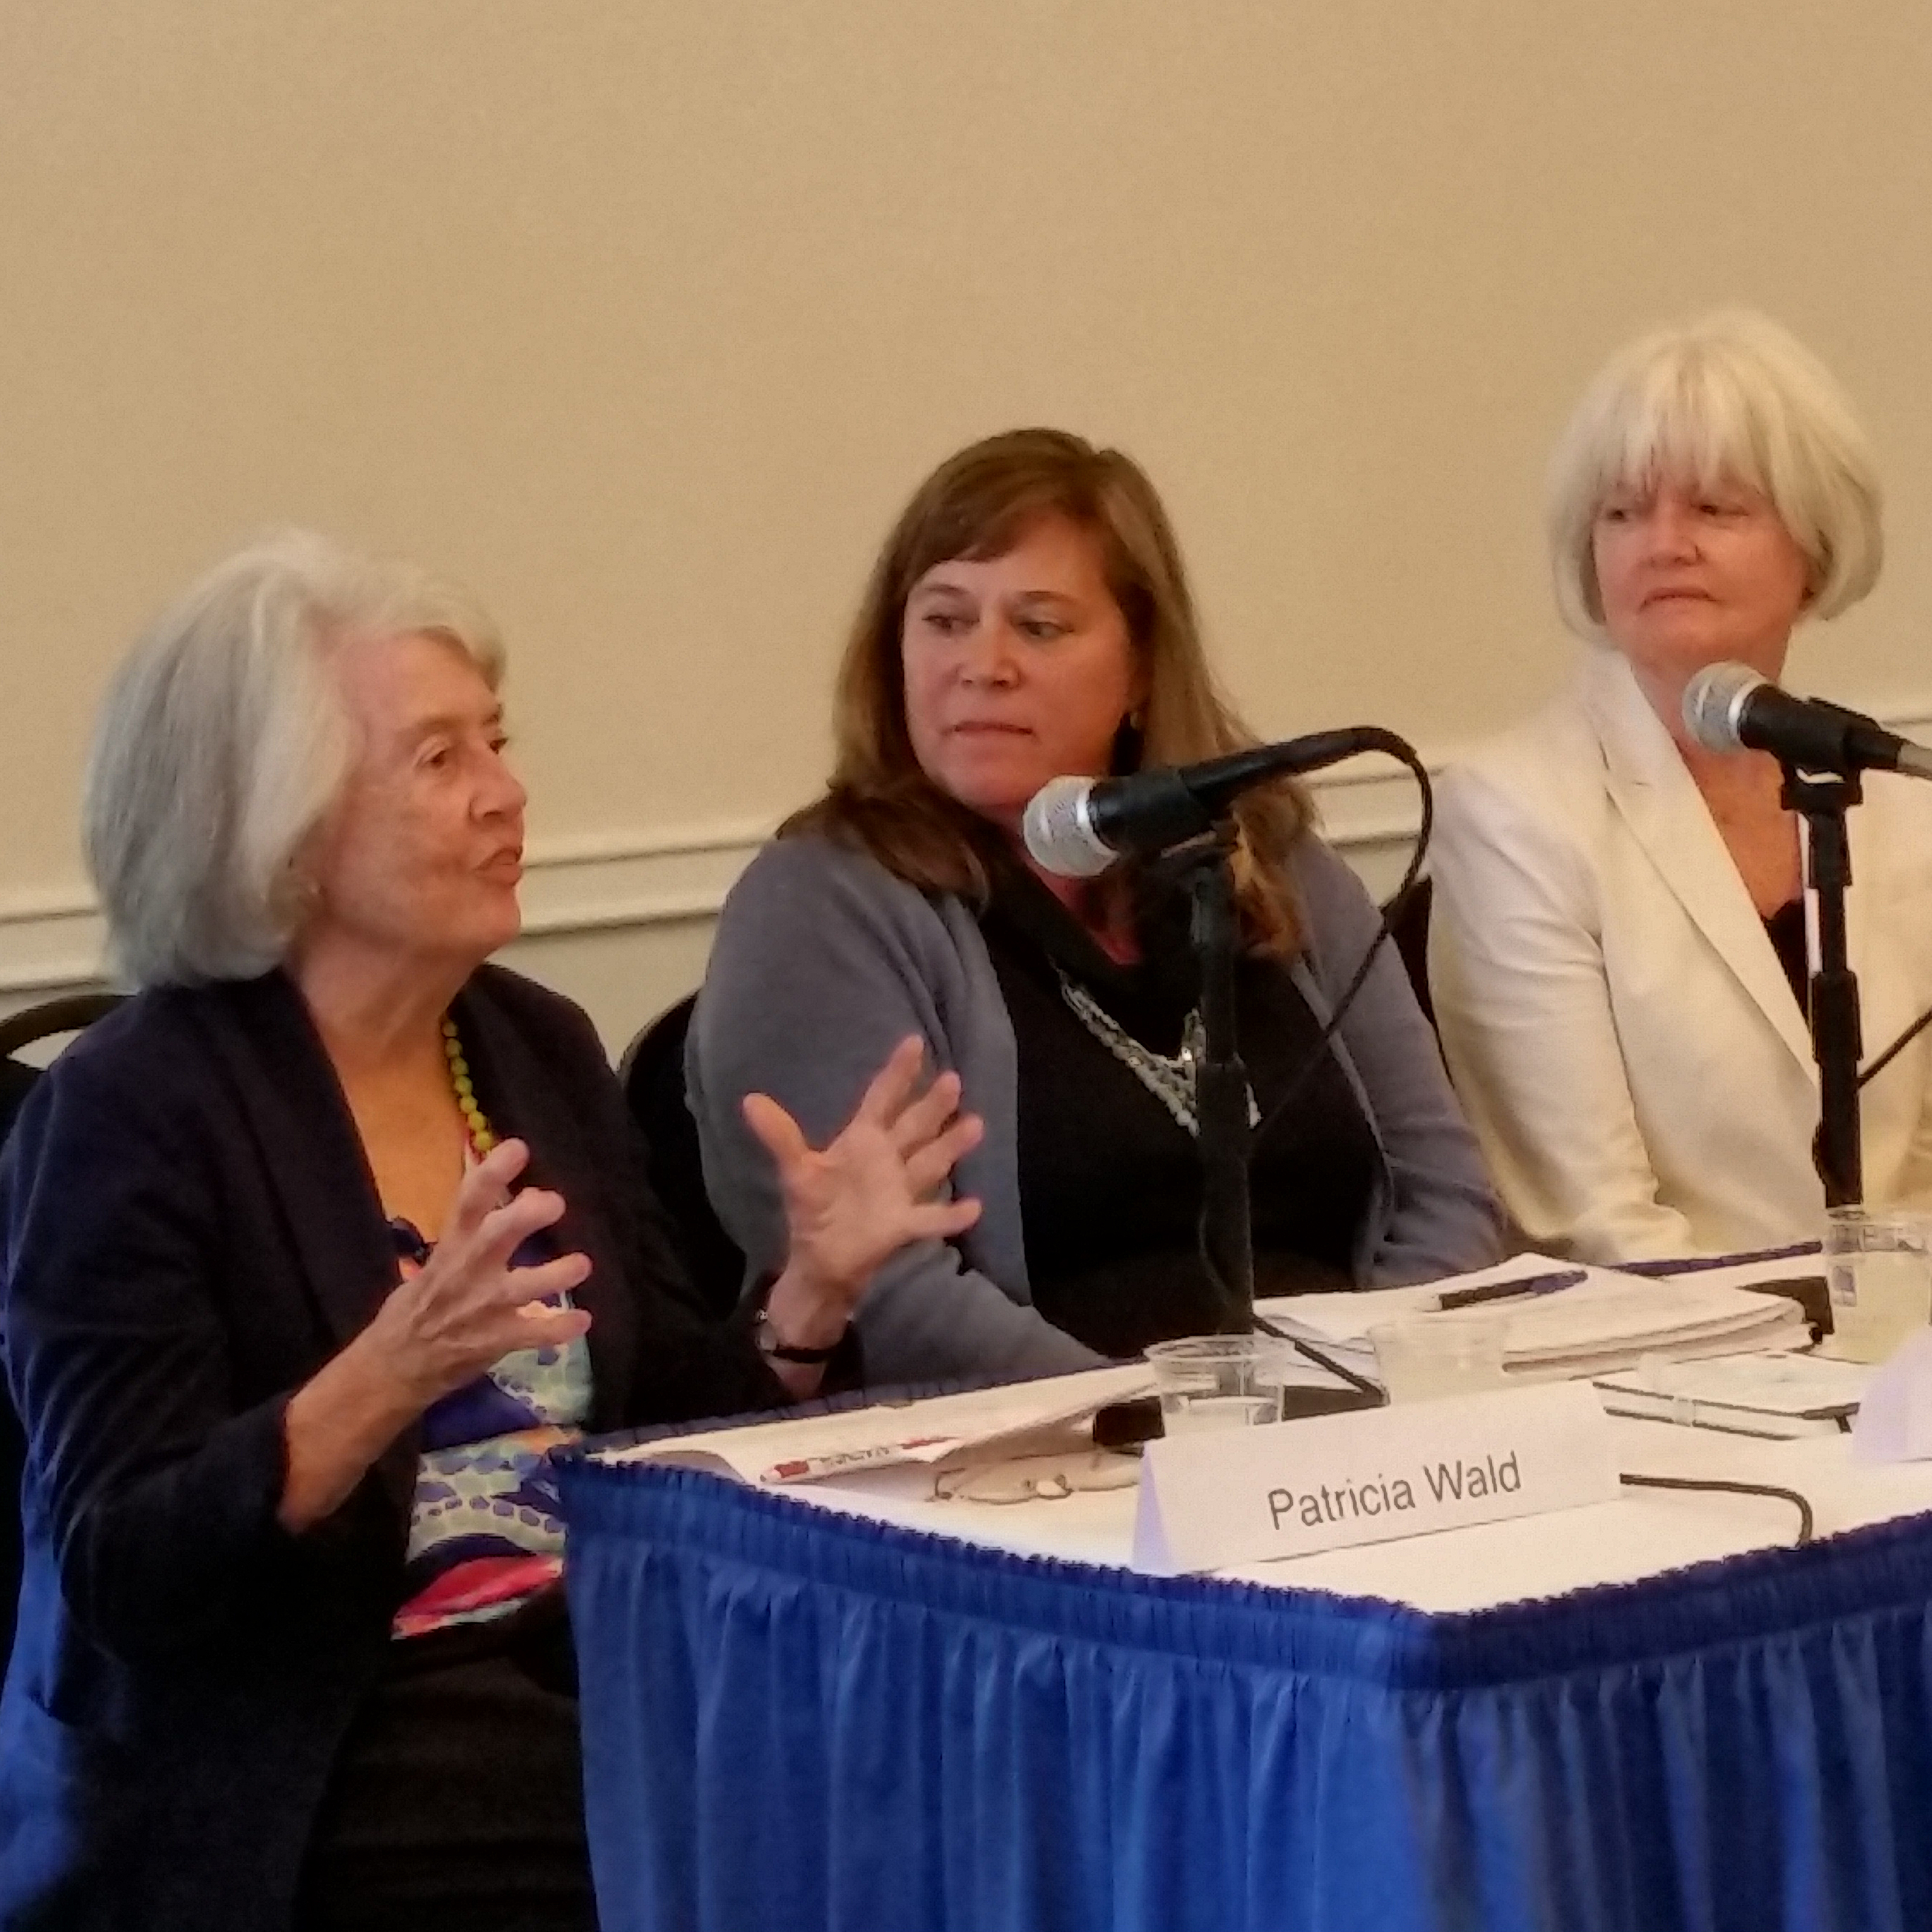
(1822, 798)
(1221, 1094)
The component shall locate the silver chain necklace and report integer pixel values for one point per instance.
(1171, 1079)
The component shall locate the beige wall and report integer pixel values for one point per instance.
(643, 318)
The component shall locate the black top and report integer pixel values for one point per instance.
(191, 1230)
(1110, 1180)
(1785, 929)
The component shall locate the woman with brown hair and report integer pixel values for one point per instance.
(1029, 617)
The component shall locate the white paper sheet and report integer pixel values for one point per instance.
(1776, 1394)
(1607, 1320)
(920, 1433)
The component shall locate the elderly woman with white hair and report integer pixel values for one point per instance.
(311, 1252)
(1617, 951)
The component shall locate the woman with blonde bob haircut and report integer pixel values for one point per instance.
(1730, 398)
(1029, 617)
(1618, 953)
(314, 1250)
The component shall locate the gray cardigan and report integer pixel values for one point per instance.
(824, 961)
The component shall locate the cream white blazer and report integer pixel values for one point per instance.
(1622, 1037)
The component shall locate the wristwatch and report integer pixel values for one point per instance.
(765, 1339)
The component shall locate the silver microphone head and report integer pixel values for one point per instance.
(1713, 702)
(1059, 833)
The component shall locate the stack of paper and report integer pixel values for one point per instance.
(1596, 1321)
(851, 1442)
(1779, 1395)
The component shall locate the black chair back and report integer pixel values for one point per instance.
(53, 1017)
(652, 1073)
(71, 1013)
(17, 1082)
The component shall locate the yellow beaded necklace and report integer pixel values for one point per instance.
(482, 1137)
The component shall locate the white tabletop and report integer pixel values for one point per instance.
(1642, 1534)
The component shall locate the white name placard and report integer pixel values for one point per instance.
(1241, 1495)
(1895, 1420)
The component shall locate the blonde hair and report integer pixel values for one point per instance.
(224, 741)
(978, 504)
(1730, 396)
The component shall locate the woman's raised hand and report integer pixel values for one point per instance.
(874, 1187)
(469, 1306)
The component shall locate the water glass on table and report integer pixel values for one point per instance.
(1426, 1354)
(1879, 1270)
(1219, 1382)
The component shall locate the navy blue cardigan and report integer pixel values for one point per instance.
(190, 1231)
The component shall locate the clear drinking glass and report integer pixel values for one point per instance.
(1455, 1352)
(1880, 1272)
(1219, 1382)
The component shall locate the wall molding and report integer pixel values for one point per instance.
(53, 942)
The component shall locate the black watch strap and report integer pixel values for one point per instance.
(765, 1339)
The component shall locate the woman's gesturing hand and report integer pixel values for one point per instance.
(873, 1188)
(469, 1306)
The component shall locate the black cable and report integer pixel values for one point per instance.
(1384, 932)
(1320, 1358)
(1312, 1059)
(1897, 1047)
(1806, 1523)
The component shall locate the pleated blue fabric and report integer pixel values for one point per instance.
(792, 1718)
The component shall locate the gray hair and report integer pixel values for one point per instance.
(1731, 395)
(224, 741)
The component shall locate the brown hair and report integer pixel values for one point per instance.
(977, 504)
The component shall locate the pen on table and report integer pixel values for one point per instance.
(1509, 1291)
(803, 1469)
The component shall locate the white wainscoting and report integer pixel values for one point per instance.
(622, 921)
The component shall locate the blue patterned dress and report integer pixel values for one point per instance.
(484, 1532)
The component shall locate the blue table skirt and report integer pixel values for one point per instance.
(795, 1719)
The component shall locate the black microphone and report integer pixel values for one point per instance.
(1078, 827)
(1729, 707)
